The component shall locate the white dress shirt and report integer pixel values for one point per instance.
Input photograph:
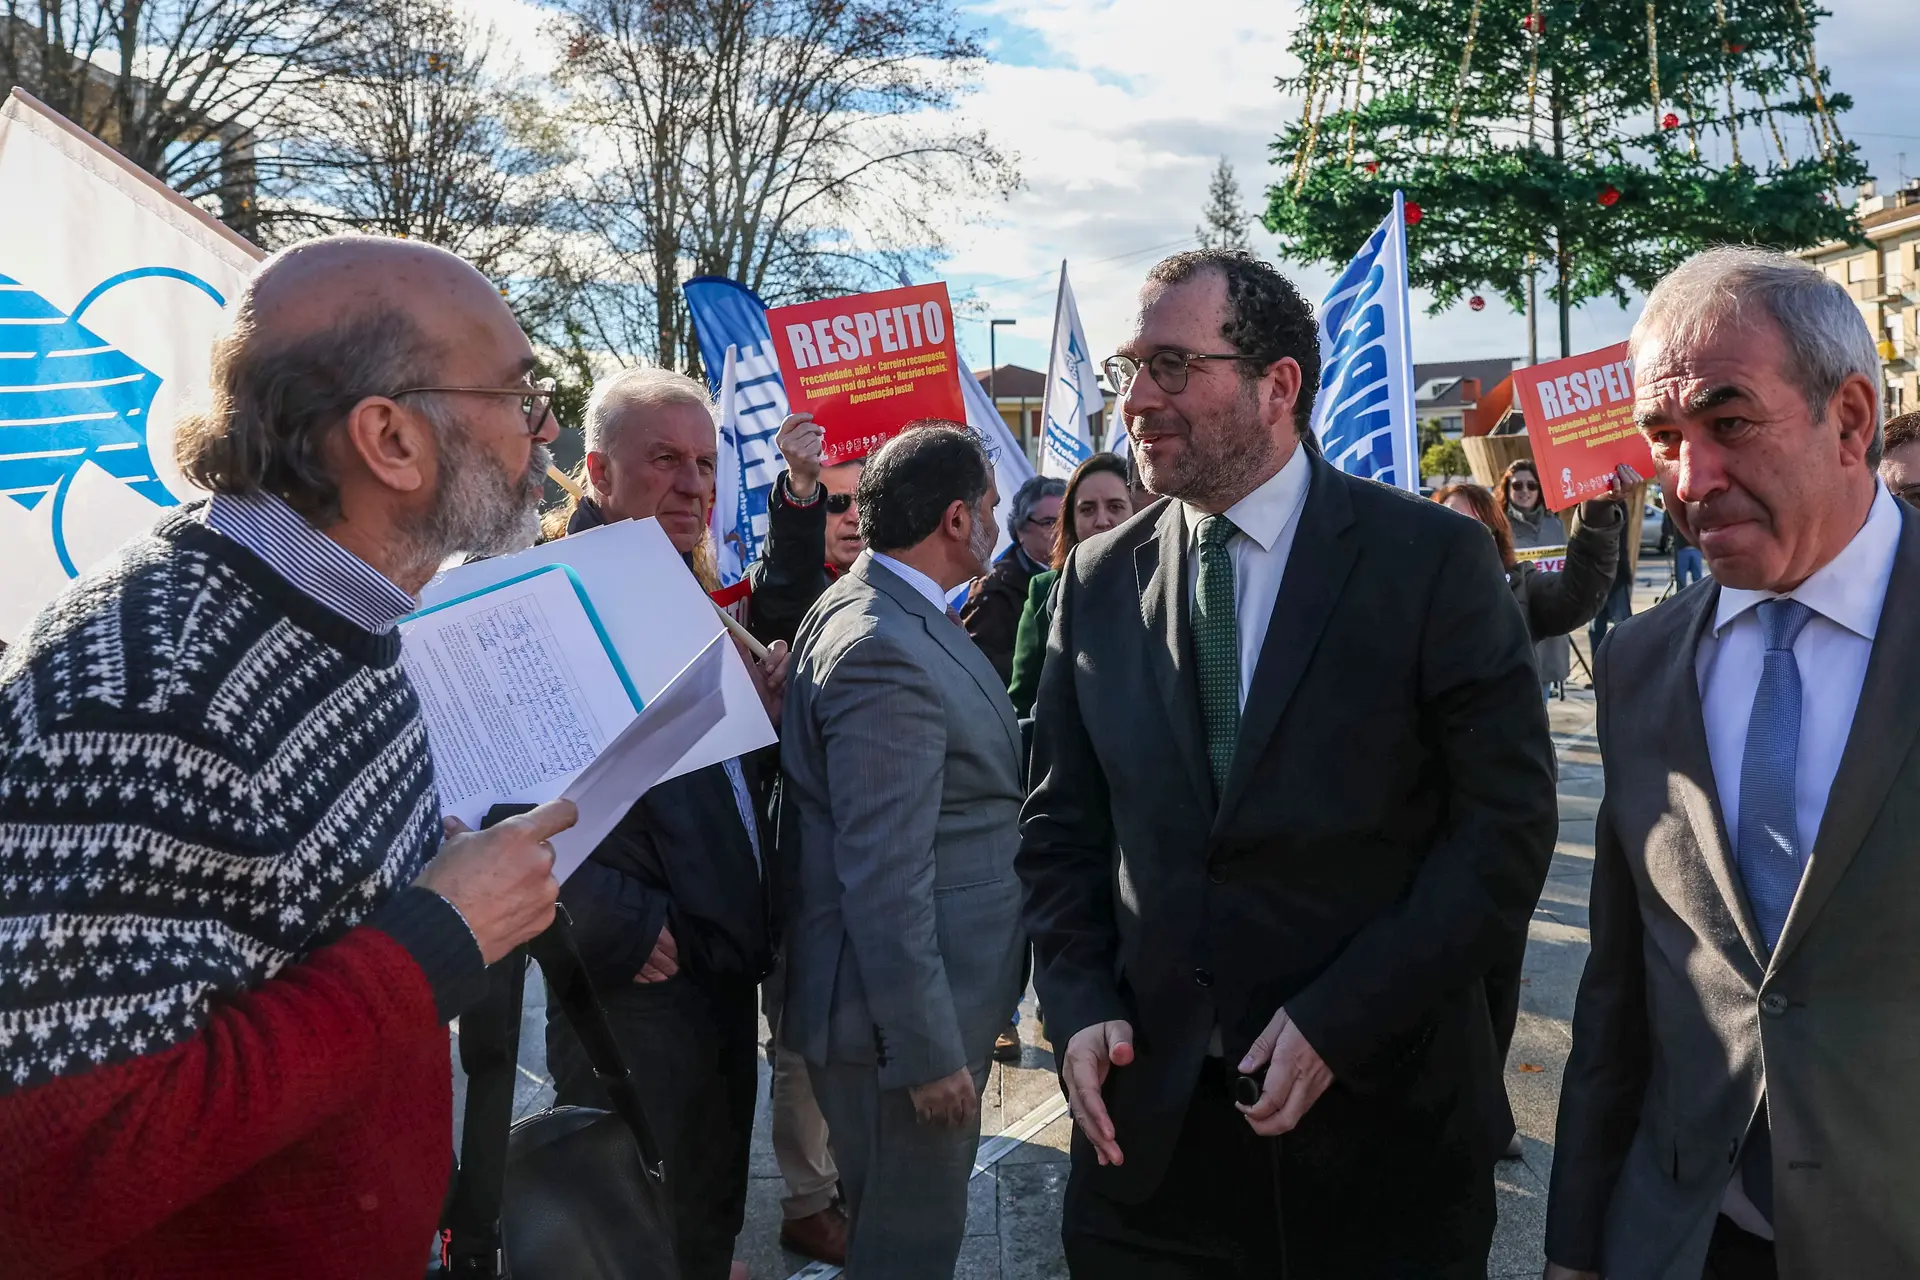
(1846, 596)
(1266, 519)
(917, 580)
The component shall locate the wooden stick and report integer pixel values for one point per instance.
(566, 482)
(759, 651)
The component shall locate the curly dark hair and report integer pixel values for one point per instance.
(1267, 318)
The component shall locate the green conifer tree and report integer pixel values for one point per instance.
(1590, 144)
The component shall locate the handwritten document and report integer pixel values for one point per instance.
(519, 688)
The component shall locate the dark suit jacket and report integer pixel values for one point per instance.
(1382, 837)
(1680, 1004)
(680, 857)
(791, 571)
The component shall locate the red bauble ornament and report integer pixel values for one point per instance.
(1476, 303)
(1414, 214)
(1373, 166)
(1736, 48)
(1533, 23)
(1609, 196)
(1669, 121)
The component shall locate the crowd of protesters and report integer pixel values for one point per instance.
(1242, 761)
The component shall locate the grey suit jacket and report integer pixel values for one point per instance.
(1680, 1006)
(899, 826)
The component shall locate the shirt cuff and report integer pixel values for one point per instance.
(432, 931)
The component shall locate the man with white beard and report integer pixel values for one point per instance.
(234, 931)
(898, 831)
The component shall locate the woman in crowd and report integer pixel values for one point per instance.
(1098, 497)
(1521, 501)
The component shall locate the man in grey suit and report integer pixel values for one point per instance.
(1743, 1094)
(898, 834)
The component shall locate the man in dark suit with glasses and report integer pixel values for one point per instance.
(1294, 796)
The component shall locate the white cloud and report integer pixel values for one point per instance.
(1119, 109)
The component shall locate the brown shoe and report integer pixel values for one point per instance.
(822, 1236)
(1006, 1047)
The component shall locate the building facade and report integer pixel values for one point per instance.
(1883, 278)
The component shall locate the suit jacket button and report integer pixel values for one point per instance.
(1202, 977)
(1773, 1004)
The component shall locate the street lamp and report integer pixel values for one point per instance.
(993, 363)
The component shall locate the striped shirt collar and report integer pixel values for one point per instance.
(315, 564)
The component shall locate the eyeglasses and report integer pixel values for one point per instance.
(536, 398)
(1169, 369)
(839, 503)
(1043, 522)
(1524, 486)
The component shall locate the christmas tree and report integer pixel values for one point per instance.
(1593, 142)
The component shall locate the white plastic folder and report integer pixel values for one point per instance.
(530, 666)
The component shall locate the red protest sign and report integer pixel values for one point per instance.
(1579, 414)
(866, 365)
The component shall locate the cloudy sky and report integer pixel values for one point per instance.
(1119, 109)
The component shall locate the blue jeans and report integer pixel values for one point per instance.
(1688, 566)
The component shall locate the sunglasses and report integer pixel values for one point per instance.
(839, 503)
(1526, 486)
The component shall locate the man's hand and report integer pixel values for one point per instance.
(665, 960)
(769, 677)
(800, 440)
(501, 879)
(1091, 1053)
(950, 1102)
(1555, 1271)
(1296, 1077)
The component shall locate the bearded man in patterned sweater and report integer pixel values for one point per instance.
(231, 928)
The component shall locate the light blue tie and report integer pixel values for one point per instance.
(1769, 849)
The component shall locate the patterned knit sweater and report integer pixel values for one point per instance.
(221, 1008)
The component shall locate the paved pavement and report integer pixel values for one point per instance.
(1013, 1221)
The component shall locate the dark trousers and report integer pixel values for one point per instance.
(1735, 1254)
(691, 1043)
(1236, 1206)
(1618, 608)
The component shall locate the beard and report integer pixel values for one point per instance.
(980, 541)
(478, 510)
(1226, 452)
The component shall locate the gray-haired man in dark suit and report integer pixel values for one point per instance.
(899, 829)
(1741, 1100)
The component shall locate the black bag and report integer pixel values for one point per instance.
(572, 1193)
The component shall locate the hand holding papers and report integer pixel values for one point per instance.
(532, 668)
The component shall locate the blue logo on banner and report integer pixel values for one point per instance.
(1355, 373)
(68, 397)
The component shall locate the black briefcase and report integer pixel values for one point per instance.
(572, 1193)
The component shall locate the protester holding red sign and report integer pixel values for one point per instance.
(868, 364)
(1579, 414)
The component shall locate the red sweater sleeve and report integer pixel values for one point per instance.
(92, 1161)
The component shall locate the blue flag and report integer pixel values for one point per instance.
(1364, 413)
(752, 406)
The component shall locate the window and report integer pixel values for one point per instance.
(1859, 268)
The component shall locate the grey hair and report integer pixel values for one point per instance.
(274, 407)
(1826, 336)
(1031, 494)
(642, 387)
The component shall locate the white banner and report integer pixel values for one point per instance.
(1010, 466)
(1364, 413)
(111, 292)
(1073, 391)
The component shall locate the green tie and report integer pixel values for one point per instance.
(1216, 646)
